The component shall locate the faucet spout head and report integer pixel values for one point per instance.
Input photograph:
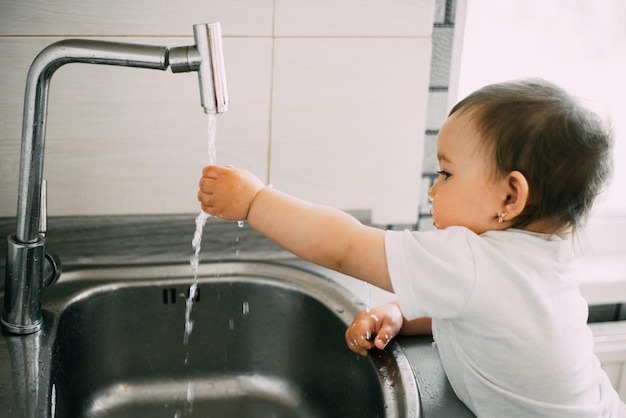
(207, 58)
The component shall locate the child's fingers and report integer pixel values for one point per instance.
(206, 184)
(206, 196)
(360, 334)
(384, 335)
(219, 188)
(387, 330)
(374, 328)
(357, 341)
(212, 171)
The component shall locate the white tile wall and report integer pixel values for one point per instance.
(126, 141)
(355, 18)
(347, 123)
(134, 18)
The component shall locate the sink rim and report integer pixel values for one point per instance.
(80, 283)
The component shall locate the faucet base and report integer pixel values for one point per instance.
(23, 286)
(22, 330)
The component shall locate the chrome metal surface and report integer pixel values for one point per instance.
(43, 217)
(267, 341)
(213, 34)
(207, 58)
(24, 271)
(29, 365)
(23, 286)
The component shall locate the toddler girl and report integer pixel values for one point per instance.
(520, 166)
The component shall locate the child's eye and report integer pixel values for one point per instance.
(444, 174)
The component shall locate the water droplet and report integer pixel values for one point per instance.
(241, 224)
(53, 401)
(245, 308)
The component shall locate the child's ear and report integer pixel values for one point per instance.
(516, 194)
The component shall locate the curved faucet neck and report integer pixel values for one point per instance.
(36, 109)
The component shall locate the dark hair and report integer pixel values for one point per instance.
(562, 148)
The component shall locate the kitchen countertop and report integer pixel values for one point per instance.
(82, 242)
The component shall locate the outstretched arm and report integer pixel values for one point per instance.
(320, 234)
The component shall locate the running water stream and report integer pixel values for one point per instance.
(196, 244)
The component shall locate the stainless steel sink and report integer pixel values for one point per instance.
(267, 341)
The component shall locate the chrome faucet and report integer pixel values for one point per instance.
(28, 267)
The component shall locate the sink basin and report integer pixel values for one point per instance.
(267, 341)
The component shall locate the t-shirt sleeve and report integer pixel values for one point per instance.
(432, 272)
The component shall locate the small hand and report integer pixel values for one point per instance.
(227, 192)
(374, 328)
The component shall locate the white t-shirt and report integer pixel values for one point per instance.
(508, 320)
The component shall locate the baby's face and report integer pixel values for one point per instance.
(467, 193)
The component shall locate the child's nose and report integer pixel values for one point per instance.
(431, 192)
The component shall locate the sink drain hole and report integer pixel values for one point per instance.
(169, 296)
